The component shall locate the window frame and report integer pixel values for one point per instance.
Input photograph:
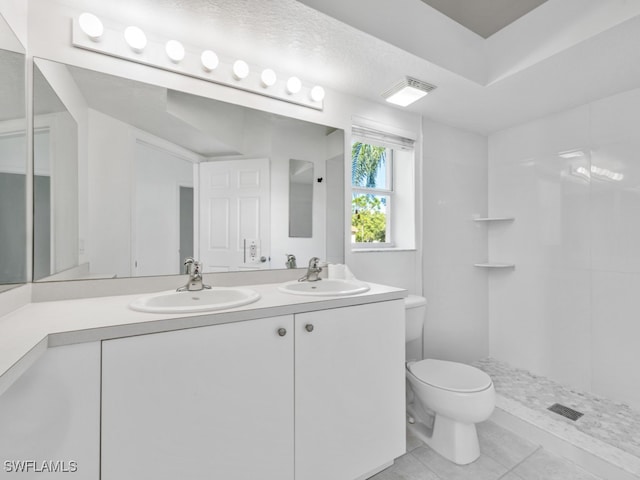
(388, 192)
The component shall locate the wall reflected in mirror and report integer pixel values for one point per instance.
(13, 162)
(141, 177)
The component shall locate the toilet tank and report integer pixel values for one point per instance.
(415, 309)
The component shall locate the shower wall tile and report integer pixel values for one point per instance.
(569, 310)
(455, 191)
(615, 118)
(616, 336)
(615, 206)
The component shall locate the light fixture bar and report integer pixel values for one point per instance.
(407, 91)
(199, 63)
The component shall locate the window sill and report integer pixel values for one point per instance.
(382, 249)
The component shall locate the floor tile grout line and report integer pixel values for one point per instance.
(511, 470)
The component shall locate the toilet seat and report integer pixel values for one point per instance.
(451, 376)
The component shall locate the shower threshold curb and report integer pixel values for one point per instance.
(585, 451)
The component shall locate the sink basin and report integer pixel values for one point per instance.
(217, 298)
(325, 286)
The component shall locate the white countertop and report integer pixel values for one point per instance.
(27, 332)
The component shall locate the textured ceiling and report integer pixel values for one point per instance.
(484, 17)
(562, 54)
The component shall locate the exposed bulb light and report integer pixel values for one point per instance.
(317, 93)
(209, 60)
(407, 91)
(91, 26)
(240, 69)
(135, 38)
(175, 51)
(293, 85)
(268, 77)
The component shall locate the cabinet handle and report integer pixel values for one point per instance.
(282, 332)
(308, 327)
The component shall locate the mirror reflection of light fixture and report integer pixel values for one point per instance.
(268, 78)
(175, 51)
(91, 26)
(209, 60)
(293, 85)
(317, 93)
(407, 91)
(135, 38)
(240, 69)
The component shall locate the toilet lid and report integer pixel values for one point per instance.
(453, 376)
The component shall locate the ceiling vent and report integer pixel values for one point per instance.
(407, 91)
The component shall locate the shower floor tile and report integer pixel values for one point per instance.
(608, 429)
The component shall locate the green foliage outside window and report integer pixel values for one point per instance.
(368, 210)
(368, 219)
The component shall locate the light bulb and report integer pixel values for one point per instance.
(135, 38)
(209, 60)
(240, 69)
(293, 85)
(91, 26)
(268, 77)
(175, 51)
(317, 93)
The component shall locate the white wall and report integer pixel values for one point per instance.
(455, 191)
(158, 176)
(110, 169)
(569, 309)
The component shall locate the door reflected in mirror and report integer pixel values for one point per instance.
(300, 199)
(154, 175)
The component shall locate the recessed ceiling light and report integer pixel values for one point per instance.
(407, 91)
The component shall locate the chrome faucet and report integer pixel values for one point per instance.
(193, 268)
(291, 261)
(313, 271)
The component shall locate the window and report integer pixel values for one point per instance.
(382, 191)
(372, 193)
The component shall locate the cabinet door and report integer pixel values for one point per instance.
(50, 417)
(209, 402)
(350, 390)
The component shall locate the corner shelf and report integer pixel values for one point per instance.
(494, 219)
(495, 265)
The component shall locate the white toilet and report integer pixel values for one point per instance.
(445, 399)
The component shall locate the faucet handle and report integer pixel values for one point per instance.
(188, 265)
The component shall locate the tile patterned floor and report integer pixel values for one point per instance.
(505, 456)
(613, 423)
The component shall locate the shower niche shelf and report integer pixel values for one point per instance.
(494, 265)
(494, 219)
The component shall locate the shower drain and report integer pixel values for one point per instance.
(566, 412)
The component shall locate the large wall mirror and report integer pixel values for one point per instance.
(131, 178)
(13, 162)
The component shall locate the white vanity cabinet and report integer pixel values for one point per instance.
(50, 417)
(316, 395)
(208, 402)
(350, 390)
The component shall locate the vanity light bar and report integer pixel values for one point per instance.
(89, 33)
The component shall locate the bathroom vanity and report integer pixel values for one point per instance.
(288, 387)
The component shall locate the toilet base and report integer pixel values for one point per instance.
(455, 441)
